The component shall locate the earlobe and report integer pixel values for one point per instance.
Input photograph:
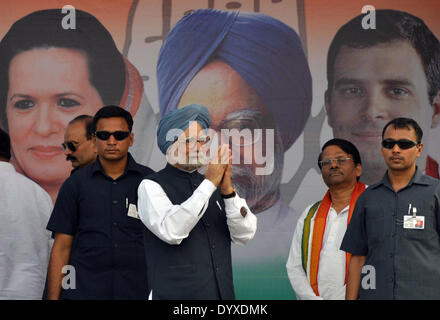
(359, 170)
(420, 149)
(436, 111)
(131, 139)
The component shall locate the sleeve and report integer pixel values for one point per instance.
(47, 209)
(437, 207)
(295, 271)
(355, 239)
(171, 223)
(242, 229)
(64, 217)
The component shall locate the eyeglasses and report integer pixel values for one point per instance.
(192, 142)
(71, 145)
(403, 143)
(329, 162)
(105, 135)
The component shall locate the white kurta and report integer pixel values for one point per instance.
(331, 273)
(25, 243)
(173, 223)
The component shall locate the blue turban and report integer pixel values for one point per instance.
(265, 52)
(180, 119)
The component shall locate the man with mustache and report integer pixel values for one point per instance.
(375, 75)
(251, 72)
(191, 219)
(78, 144)
(98, 243)
(320, 229)
(394, 236)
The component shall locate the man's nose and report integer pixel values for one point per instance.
(111, 140)
(66, 149)
(374, 105)
(334, 163)
(396, 149)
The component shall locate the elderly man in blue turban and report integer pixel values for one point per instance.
(191, 218)
(250, 71)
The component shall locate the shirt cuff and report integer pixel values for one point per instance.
(207, 188)
(234, 205)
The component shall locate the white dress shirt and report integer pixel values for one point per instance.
(173, 223)
(331, 274)
(24, 241)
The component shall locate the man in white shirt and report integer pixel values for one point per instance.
(317, 268)
(191, 218)
(24, 241)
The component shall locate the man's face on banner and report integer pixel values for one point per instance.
(372, 86)
(47, 89)
(231, 101)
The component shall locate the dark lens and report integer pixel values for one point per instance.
(71, 146)
(388, 143)
(406, 144)
(121, 135)
(403, 144)
(102, 135)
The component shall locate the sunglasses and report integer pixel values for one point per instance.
(403, 143)
(70, 145)
(105, 135)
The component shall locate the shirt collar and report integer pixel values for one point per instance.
(131, 166)
(180, 172)
(417, 178)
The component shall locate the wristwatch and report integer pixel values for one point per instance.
(228, 196)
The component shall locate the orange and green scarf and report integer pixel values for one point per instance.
(318, 233)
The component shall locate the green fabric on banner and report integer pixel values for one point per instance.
(264, 281)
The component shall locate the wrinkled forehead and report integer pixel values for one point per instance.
(334, 151)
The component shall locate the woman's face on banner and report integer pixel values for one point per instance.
(48, 87)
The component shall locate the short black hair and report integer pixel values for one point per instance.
(346, 146)
(88, 121)
(5, 145)
(113, 111)
(42, 29)
(391, 25)
(405, 123)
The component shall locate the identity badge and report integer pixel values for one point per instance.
(414, 222)
(132, 212)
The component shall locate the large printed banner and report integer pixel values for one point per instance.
(251, 71)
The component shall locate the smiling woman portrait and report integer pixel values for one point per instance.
(48, 76)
